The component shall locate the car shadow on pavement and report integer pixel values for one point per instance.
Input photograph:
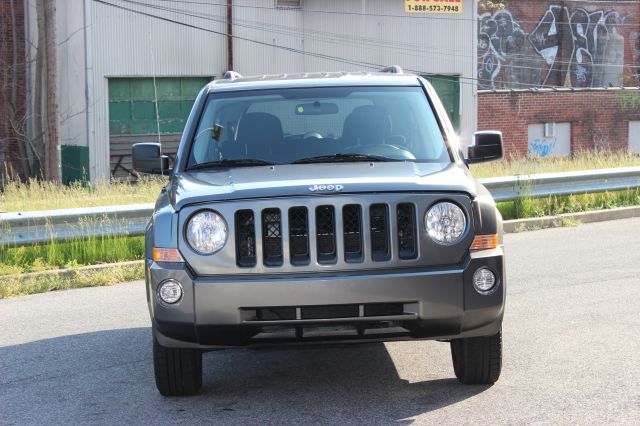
(107, 376)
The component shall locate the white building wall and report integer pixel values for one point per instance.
(102, 41)
(126, 44)
(332, 35)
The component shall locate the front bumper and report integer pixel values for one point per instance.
(435, 303)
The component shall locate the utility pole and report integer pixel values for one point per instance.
(229, 35)
(52, 114)
(47, 75)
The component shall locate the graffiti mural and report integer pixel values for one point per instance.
(565, 47)
(499, 36)
(634, 43)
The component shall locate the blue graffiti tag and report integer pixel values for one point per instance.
(542, 147)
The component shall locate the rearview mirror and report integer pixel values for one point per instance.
(487, 147)
(316, 108)
(147, 158)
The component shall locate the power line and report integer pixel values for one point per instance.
(296, 31)
(359, 63)
(403, 16)
(338, 39)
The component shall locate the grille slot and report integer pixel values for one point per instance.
(379, 224)
(299, 235)
(275, 314)
(406, 216)
(383, 309)
(272, 237)
(245, 238)
(352, 228)
(330, 311)
(326, 234)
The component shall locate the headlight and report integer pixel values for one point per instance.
(445, 223)
(206, 232)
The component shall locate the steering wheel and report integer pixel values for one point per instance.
(382, 150)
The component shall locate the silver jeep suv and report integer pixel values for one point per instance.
(315, 208)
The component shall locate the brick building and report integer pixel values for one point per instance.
(12, 85)
(558, 77)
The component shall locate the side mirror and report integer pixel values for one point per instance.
(147, 158)
(487, 147)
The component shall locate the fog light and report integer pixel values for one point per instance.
(484, 281)
(170, 292)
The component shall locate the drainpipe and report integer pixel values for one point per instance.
(229, 35)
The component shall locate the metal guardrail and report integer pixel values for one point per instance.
(511, 188)
(64, 224)
(44, 226)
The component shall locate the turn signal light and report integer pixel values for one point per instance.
(484, 242)
(167, 255)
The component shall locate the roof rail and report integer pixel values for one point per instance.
(393, 69)
(231, 75)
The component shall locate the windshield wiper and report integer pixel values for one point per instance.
(240, 162)
(344, 158)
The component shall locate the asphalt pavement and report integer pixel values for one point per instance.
(571, 355)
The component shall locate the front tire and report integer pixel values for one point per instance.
(178, 372)
(477, 360)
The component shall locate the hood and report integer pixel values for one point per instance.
(317, 179)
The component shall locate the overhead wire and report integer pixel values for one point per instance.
(360, 63)
(345, 40)
(385, 15)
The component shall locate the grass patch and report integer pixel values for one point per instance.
(555, 205)
(586, 160)
(20, 285)
(38, 195)
(70, 254)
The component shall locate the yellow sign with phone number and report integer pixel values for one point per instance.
(433, 6)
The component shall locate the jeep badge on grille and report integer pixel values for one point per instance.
(319, 188)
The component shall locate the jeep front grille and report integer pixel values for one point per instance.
(329, 224)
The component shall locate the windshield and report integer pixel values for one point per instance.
(335, 124)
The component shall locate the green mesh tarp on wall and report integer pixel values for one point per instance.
(132, 106)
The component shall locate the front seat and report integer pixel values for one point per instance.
(366, 125)
(260, 135)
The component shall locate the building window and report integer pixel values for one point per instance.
(288, 3)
